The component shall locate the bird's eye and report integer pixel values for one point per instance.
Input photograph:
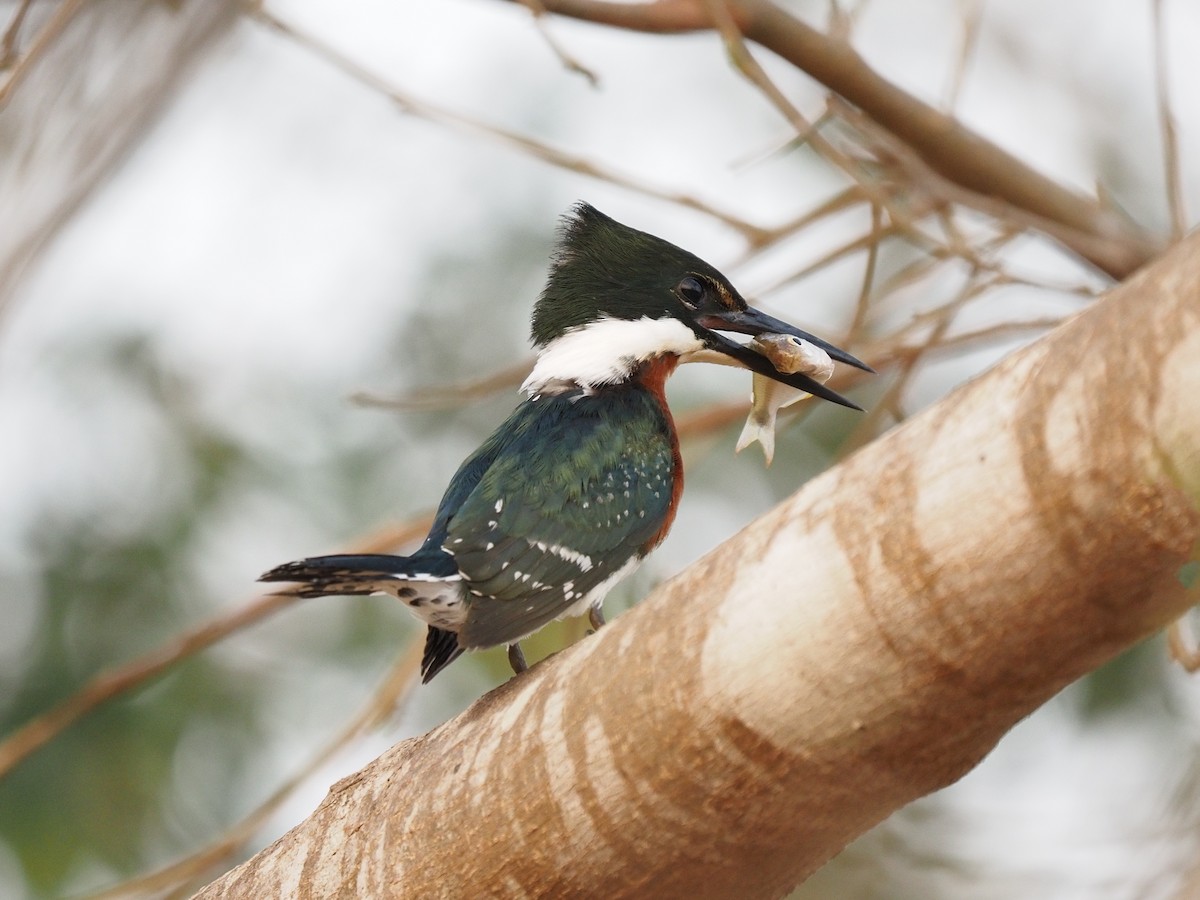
(691, 291)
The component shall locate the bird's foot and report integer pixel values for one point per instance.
(516, 658)
(596, 618)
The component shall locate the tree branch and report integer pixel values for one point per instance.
(949, 148)
(78, 98)
(142, 670)
(863, 644)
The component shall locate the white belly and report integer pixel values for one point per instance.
(441, 604)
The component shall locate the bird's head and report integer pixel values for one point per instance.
(618, 297)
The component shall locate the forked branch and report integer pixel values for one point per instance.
(961, 156)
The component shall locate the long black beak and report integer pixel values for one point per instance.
(754, 322)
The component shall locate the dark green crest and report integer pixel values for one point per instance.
(603, 268)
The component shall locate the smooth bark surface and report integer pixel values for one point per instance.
(861, 645)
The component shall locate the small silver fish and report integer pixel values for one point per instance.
(787, 354)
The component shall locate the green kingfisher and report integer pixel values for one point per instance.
(583, 479)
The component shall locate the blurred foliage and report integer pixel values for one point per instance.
(107, 590)
(156, 773)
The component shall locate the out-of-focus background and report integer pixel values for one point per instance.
(264, 280)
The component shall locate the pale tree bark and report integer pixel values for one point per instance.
(863, 644)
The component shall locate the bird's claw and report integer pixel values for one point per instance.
(516, 658)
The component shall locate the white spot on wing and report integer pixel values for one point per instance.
(566, 553)
(596, 595)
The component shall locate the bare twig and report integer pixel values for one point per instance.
(387, 698)
(139, 672)
(8, 44)
(452, 395)
(964, 340)
(49, 32)
(962, 157)
(537, 149)
(845, 199)
(935, 251)
(745, 62)
(106, 686)
(972, 20)
(944, 145)
(70, 115)
(571, 63)
(920, 177)
(1166, 119)
(793, 142)
(983, 258)
(868, 280)
(892, 398)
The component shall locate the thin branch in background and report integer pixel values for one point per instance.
(957, 242)
(842, 22)
(108, 685)
(972, 21)
(744, 61)
(926, 267)
(902, 220)
(961, 157)
(892, 399)
(919, 176)
(18, 68)
(181, 876)
(141, 671)
(868, 280)
(847, 198)
(978, 284)
(1166, 119)
(892, 353)
(8, 44)
(984, 255)
(844, 200)
(538, 10)
(945, 145)
(537, 149)
(794, 142)
(990, 333)
(913, 273)
(936, 253)
(711, 418)
(921, 322)
(934, 194)
(452, 396)
(981, 254)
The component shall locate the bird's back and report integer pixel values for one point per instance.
(566, 495)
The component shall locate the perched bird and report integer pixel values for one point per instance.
(583, 479)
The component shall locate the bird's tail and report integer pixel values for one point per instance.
(319, 576)
(441, 649)
(373, 573)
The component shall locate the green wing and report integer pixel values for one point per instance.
(578, 486)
